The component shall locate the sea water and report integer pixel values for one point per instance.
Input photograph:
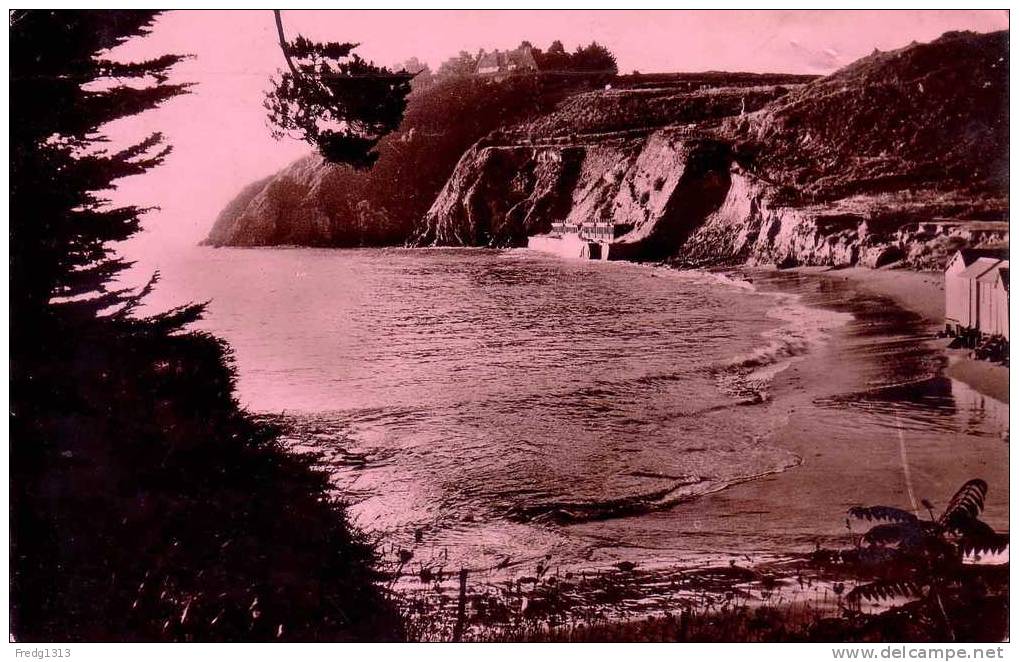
(489, 408)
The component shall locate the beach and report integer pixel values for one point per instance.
(878, 389)
(734, 417)
(924, 294)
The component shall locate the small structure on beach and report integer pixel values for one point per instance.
(593, 230)
(590, 239)
(993, 301)
(976, 294)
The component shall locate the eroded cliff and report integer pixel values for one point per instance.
(900, 157)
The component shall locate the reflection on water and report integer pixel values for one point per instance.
(933, 404)
(980, 411)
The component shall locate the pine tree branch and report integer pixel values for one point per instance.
(284, 46)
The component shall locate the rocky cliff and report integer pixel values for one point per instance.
(900, 157)
(659, 184)
(294, 206)
(313, 203)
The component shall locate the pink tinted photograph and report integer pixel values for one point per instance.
(509, 326)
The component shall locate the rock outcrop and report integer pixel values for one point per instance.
(294, 206)
(660, 185)
(900, 157)
(921, 233)
(313, 203)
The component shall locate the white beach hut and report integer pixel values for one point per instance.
(961, 290)
(993, 301)
(988, 302)
(986, 268)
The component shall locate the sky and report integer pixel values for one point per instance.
(221, 140)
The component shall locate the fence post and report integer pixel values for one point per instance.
(461, 607)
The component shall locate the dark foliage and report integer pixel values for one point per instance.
(380, 206)
(335, 100)
(591, 58)
(932, 566)
(145, 505)
(462, 64)
(927, 116)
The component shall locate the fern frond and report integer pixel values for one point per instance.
(976, 545)
(973, 528)
(885, 590)
(966, 505)
(905, 533)
(881, 514)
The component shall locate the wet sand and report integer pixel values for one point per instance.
(924, 294)
(987, 378)
(874, 369)
(875, 419)
(920, 292)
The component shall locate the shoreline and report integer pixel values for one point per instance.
(923, 294)
(753, 538)
(743, 538)
(879, 370)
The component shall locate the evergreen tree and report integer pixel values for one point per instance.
(335, 100)
(595, 58)
(145, 505)
(60, 224)
(555, 58)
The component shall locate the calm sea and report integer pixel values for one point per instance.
(489, 408)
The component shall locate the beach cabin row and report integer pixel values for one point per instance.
(595, 231)
(976, 294)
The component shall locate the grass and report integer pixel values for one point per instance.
(788, 601)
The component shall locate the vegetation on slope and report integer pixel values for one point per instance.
(653, 101)
(927, 116)
(441, 122)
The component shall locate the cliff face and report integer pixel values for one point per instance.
(291, 207)
(631, 157)
(899, 158)
(500, 194)
(316, 204)
(920, 231)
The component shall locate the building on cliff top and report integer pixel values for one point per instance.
(976, 293)
(500, 64)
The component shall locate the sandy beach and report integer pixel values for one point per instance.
(857, 406)
(924, 294)
(879, 413)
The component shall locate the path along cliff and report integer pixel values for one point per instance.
(898, 158)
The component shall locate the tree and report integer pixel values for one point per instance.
(60, 223)
(594, 57)
(464, 64)
(145, 505)
(333, 99)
